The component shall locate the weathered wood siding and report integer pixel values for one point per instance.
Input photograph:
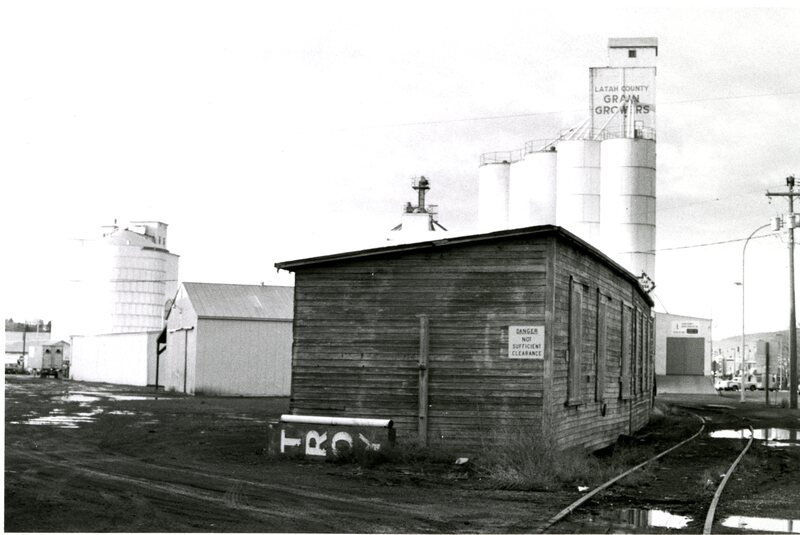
(357, 339)
(591, 407)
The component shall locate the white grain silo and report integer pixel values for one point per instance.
(578, 189)
(628, 202)
(532, 189)
(493, 181)
(127, 278)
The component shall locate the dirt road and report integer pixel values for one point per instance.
(89, 457)
(97, 457)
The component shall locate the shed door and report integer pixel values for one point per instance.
(685, 356)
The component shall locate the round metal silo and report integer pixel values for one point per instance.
(578, 189)
(532, 190)
(127, 284)
(628, 203)
(493, 178)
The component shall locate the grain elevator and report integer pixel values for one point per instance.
(127, 276)
(597, 179)
(126, 279)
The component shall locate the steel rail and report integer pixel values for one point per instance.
(610, 482)
(712, 509)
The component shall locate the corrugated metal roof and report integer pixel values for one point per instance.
(241, 301)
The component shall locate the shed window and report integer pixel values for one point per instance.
(631, 53)
(625, 364)
(600, 378)
(575, 343)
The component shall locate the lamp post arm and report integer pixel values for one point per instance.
(742, 368)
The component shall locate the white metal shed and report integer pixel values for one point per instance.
(229, 340)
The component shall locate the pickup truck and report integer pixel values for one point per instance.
(750, 383)
(727, 384)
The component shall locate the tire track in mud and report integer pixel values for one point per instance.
(238, 494)
(209, 495)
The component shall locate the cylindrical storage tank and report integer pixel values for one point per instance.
(532, 190)
(628, 203)
(125, 285)
(578, 189)
(493, 180)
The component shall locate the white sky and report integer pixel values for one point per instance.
(269, 131)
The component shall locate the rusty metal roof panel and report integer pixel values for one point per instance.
(241, 301)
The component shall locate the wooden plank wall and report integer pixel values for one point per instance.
(356, 340)
(592, 422)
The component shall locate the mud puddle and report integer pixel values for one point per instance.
(63, 421)
(633, 520)
(772, 436)
(90, 397)
(771, 525)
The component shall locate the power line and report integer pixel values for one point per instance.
(696, 246)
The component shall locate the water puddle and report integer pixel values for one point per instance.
(773, 525)
(79, 398)
(90, 397)
(771, 433)
(63, 421)
(638, 520)
(146, 422)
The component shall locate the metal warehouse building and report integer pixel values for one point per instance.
(683, 355)
(467, 340)
(229, 340)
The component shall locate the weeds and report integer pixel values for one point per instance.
(534, 462)
(710, 478)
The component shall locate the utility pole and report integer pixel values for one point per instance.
(790, 182)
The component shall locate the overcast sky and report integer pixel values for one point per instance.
(269, 131)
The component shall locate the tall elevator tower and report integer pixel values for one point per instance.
(598, 179)
(624, 117)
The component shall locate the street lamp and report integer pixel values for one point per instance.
(742, 369)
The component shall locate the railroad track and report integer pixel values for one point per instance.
(560, 518)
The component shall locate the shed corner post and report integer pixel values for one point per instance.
(424, 341)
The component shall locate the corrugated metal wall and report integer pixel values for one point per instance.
(243, 358)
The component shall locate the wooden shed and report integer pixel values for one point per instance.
(470, 341)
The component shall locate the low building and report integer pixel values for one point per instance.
(470, 341)
(683, 355)
(118, 358)
(229, 340)
(21, 338)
